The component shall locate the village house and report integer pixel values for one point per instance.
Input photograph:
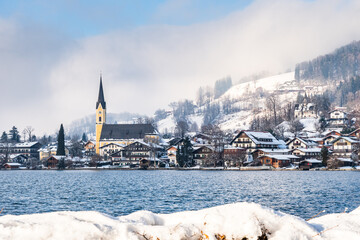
(252, 140)
(332, 133)
(53, 160)
(171, 153)
(203, 154)
(18, 158)
(355, 133)
(89, 149)
(278, 161)
(201, 138)
(307, 153)
(344, 162)
(338, 118)
(309, 163)
(305, 110)
(11, 166)
(328, 140)
(301, 143)
(345, 146)
(266, 151)
(233, 155)
(110, 148)
(140, 150)
(50, 150)
(28, 149)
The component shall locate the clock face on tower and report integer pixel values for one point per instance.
(99, 112)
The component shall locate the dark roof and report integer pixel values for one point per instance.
(101, 99)
(175, 141)
(126, 131)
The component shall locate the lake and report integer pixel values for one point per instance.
(301, 193)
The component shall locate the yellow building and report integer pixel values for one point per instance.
(121, 134)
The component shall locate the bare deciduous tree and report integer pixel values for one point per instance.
(272, 104)
(29, 131)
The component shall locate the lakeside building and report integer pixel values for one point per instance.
(252, 140)
(27, 149)
(50, 150)
(301, 143)
(344, 146)
(120, 134)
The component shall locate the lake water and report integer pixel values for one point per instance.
(122, 192)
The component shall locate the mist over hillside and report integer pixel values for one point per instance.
(244, 105)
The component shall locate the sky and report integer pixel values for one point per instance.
(150, 53)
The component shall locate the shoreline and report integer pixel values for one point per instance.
(186, 169)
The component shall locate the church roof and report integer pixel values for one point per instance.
(101, 99)
(126, 131)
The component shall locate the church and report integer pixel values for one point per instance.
(119, 134)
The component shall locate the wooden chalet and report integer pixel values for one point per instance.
(171, 153)
(301, 143)
(355, 133)
(202, 154)
(53, 161)
(252, 140)
(277, 161)
(328, 140)
(202, 138)
(338, 118)
(89, 148)
(344, 146)
(265, 151)
(307, 153)
(309, 163)
(11, 166)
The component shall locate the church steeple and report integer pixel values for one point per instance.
(100, 115)
(101, 99)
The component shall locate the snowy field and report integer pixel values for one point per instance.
(232, 221)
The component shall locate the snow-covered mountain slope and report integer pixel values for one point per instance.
(267, 84)
(243, 96)
(232, 221)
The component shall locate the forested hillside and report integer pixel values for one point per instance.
(342, 64)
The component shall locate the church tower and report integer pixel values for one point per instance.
(100, 115)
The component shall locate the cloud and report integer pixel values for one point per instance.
(148, 67)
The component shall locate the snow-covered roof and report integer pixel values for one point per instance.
(116, 144)
(231, 147)
(25, 144)
(267, 150)
(348, 139)
(58, 157)
(264, 138)
(307, 150)
(312, 160)
(282, 157)
(345, 159)
(307, 142)
(13, 164)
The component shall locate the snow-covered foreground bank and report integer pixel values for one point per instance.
(232, 221)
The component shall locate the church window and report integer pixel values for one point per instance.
(99, 119)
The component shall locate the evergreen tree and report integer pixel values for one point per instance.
(4, 137)
(61, 142)
(61, 164)
(324, 155)
(179, 158)
(84, 138)
(184, 154)
(14, 134)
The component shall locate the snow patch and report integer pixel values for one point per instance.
(234, 221)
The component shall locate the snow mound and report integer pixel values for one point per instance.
(232, 221)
